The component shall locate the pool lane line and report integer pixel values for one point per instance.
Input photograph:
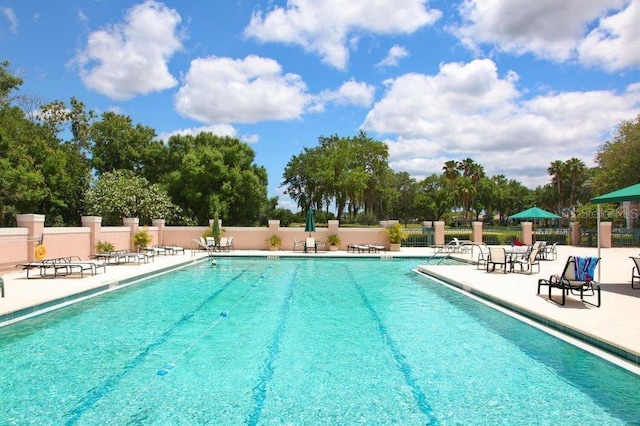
(260, 389)
(401, 362)
(171, 365)
(97, 393)
(222, 315)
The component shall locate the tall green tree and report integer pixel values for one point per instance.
(404, 194)
(433, 199)
(38, 171)
(117, 144)
(350, 173)
(576, 172)
(618, 159)
(121, 194)
(207, 173)
(557, 171)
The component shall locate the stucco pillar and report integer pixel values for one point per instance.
(575, 233)
(35, 228)
(274, 227)
(334, 227)
(132, 223)
(438, 233)
(94, 223)
(605, 234)
(527, 233)
(160, 224)
(476, 232)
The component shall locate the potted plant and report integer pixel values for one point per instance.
(334, 241)
(397, 235)
(104, 247)
(141, 239)
(274, 242)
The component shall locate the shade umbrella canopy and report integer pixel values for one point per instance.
(310, 224)
(534, 213)
(630, 193)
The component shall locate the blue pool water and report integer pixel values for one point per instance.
(313, 341)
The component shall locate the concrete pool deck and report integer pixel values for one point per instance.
(614, 326)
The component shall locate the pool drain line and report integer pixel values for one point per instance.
(401, 362)
(166, 369)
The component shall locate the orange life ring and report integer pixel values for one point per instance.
(41, 252)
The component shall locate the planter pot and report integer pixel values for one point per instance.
(394, 246)
(333, 248)
(273, 248)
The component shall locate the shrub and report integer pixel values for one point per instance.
(104, 247)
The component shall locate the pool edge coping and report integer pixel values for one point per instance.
(104, 287)
(617, 351)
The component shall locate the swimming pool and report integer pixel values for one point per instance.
(313, 341)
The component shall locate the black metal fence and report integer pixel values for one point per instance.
(625, 237)
(620, 237)
(419, 237)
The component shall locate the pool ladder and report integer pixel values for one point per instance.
(439, 251)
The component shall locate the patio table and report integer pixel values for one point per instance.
(515, 252)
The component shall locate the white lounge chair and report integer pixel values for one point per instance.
(549, 252)
(528, 262)
(310, 243)
(456, 246)
(497, 257)
(483, 256)
(297, 245)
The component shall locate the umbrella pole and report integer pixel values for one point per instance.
(598, 239)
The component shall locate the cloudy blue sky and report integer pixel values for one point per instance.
(513, 84)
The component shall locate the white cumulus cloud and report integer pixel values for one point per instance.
(614, 45)
(330, 27)
(245, 90)
(352, 93)
(130, 58)
(393, 57)
(555, 30)
(469, 110)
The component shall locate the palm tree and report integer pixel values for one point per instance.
(575, 169)
(476, 173)
(466, 166)
(467, 192)
(557, 170)
(450, 170)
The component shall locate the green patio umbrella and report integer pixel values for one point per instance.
(629, 193)
(310, 225)
(535, 213)
(216, 227)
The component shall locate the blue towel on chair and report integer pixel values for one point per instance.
(585, 268)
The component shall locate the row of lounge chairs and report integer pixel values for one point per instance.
(61, 266)
(365, 248)
(209, 243)
(69, 265)
(118, 257)
(163, 250)
(311, 244)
